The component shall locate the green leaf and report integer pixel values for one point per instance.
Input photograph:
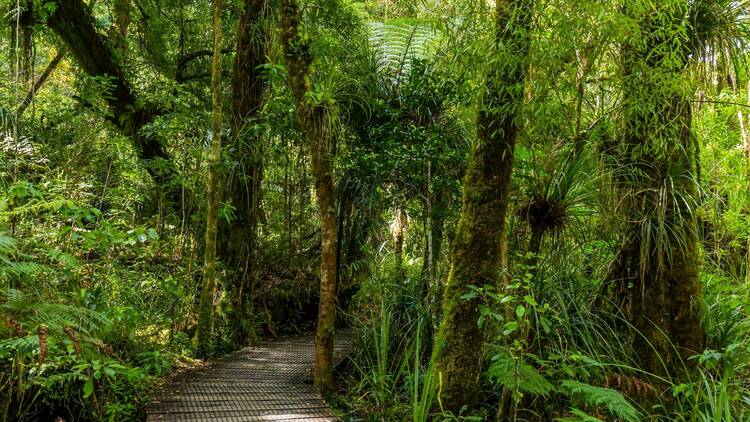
(88, 387)
(520, 311)
(599, 397)
(469, 296)
(510, 327)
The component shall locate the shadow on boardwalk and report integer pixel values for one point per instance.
(268, 382)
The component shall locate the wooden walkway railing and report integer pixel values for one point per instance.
(268, 382)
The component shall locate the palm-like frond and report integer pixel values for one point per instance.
(719, 31)
(560, 194)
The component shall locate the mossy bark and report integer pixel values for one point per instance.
(477, 245)
(238, 245)
(119, 30)
(312, 118)
(208, 289)
(655, 275)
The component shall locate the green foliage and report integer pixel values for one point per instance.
(598, 397)
(91, 245)
(518, 376)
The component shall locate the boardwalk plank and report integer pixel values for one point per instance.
(267, 382)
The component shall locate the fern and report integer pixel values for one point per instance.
(398, 43)
(29, 314)
(578, 416)
(516, 375)
(10, 265)
(599, 397)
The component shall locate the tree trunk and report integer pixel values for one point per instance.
(535, 248)
(120, 28)
(208, 289)
(477, 245)
(243, 182)
(656, 270)
(73, 23)
(398, 227)
(437, 209)
(312, 118)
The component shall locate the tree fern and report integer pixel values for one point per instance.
(10, 260)
(28, 314)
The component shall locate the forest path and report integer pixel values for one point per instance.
(271, 381)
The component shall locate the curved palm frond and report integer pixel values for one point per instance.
(719, 31)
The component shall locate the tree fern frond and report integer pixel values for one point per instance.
(398, 43)
(578, 416)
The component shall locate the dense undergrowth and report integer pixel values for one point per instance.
(577, 365)
(102, 254)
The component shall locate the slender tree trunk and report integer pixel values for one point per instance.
(40, 81)
(398, 228)
(243, 182)
(205, 317)
(535, 247)
(477, 246)
(312, 118)
(437, 209)
(27, 34)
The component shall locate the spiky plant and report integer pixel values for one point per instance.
(718, 35)
(557, 196)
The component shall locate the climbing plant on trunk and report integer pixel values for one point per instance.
(313, 119)
(205, 316)
(476, 252)
(656, 269)
(237, 248)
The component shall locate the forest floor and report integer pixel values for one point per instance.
(271, 381)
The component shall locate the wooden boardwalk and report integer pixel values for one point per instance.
(268, 382)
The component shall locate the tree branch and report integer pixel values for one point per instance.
(39, 82)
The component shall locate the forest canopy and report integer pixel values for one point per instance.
(522, 209)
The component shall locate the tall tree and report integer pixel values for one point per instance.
(476, 254)
(238, 244)
(656, 269)
(208, 289)
(314, 121)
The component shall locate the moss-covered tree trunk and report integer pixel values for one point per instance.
(655, 275)
(312, 118)
(208, 288)
(477, 245)
(119, 31)
(238, 243)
